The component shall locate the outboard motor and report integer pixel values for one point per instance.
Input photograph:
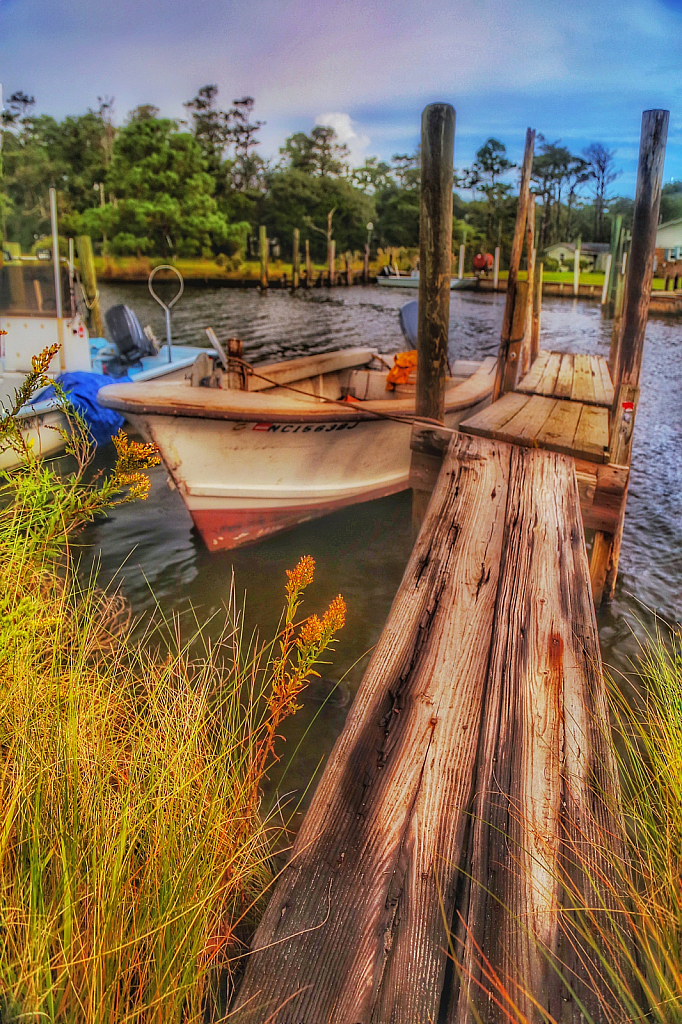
(408, 318)
(130, 340)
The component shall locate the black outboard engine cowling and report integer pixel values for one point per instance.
(130, 340)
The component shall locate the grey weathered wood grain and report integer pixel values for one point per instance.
(354, 925)
(512, 915)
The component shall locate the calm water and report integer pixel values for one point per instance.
(362, 551)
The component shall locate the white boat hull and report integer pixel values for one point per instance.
(242, 482)
(248, 464)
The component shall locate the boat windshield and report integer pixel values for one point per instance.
(28, 290)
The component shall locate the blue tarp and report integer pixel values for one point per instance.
(82, 390)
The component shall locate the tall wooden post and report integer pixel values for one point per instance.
(331, 260)
(264, 262)
(526, 357)
(365, 267)
(86, 263)
(435, 271)
(508, 359)
(537, 312)
(460, 266)
(614, 252)
(628, 356)
(496, 268)
(349, 269)
(640, 269)
(308, 265)
(607, 278)
(295, 260)
(576, 269)
(435, 257)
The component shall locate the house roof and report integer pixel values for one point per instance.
(587, 248)
(670, 223)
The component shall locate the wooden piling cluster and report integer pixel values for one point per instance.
(626, 361)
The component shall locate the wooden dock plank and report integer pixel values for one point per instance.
(524, 427)
(579, 378)
(558, 432)
(537, 421)
(549, 377)
(516, 835)
(592, 433)
(534, 375)
(490, 421)
(607, 383)
(597, 381)
(354, 931)
(583, 385)
(564, 381)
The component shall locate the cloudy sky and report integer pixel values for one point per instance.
(576, 70)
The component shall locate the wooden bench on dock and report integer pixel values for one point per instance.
(475, 762)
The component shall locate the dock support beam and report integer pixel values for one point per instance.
(627, 362)
(435, 271)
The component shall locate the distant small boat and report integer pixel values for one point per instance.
(456, 284)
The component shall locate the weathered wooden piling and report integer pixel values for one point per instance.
(435, 270)
(308, 265)
(86, 264)
(263, 247)
(349, 269)
(365, 266)
(526, 345)
(295, 260)
(331, 261)
(435, 258)
(576, 268)
(537, 312)
(508, 359)
(627, 362)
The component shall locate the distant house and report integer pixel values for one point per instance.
(594, 252)
(669, 245)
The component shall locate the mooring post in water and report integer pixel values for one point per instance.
(576, 268)
(611, 276)
(496, 268)
(331, 259)
(537, 312)
(627, 364)
(508, 359)
(527, 357)
(295, 260)
(365, 266)
(308, 265)
(435, 269)
(86, 263)
(263, 246)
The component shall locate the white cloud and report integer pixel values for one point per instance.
(345, 129)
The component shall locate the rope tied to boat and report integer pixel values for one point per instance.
(407, 418)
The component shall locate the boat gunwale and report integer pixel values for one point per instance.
(262, 406)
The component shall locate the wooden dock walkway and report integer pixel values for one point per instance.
(467, 768)
(471, 805)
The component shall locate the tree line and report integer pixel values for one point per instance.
(199, 187)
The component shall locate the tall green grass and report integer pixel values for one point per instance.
(133, 854)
